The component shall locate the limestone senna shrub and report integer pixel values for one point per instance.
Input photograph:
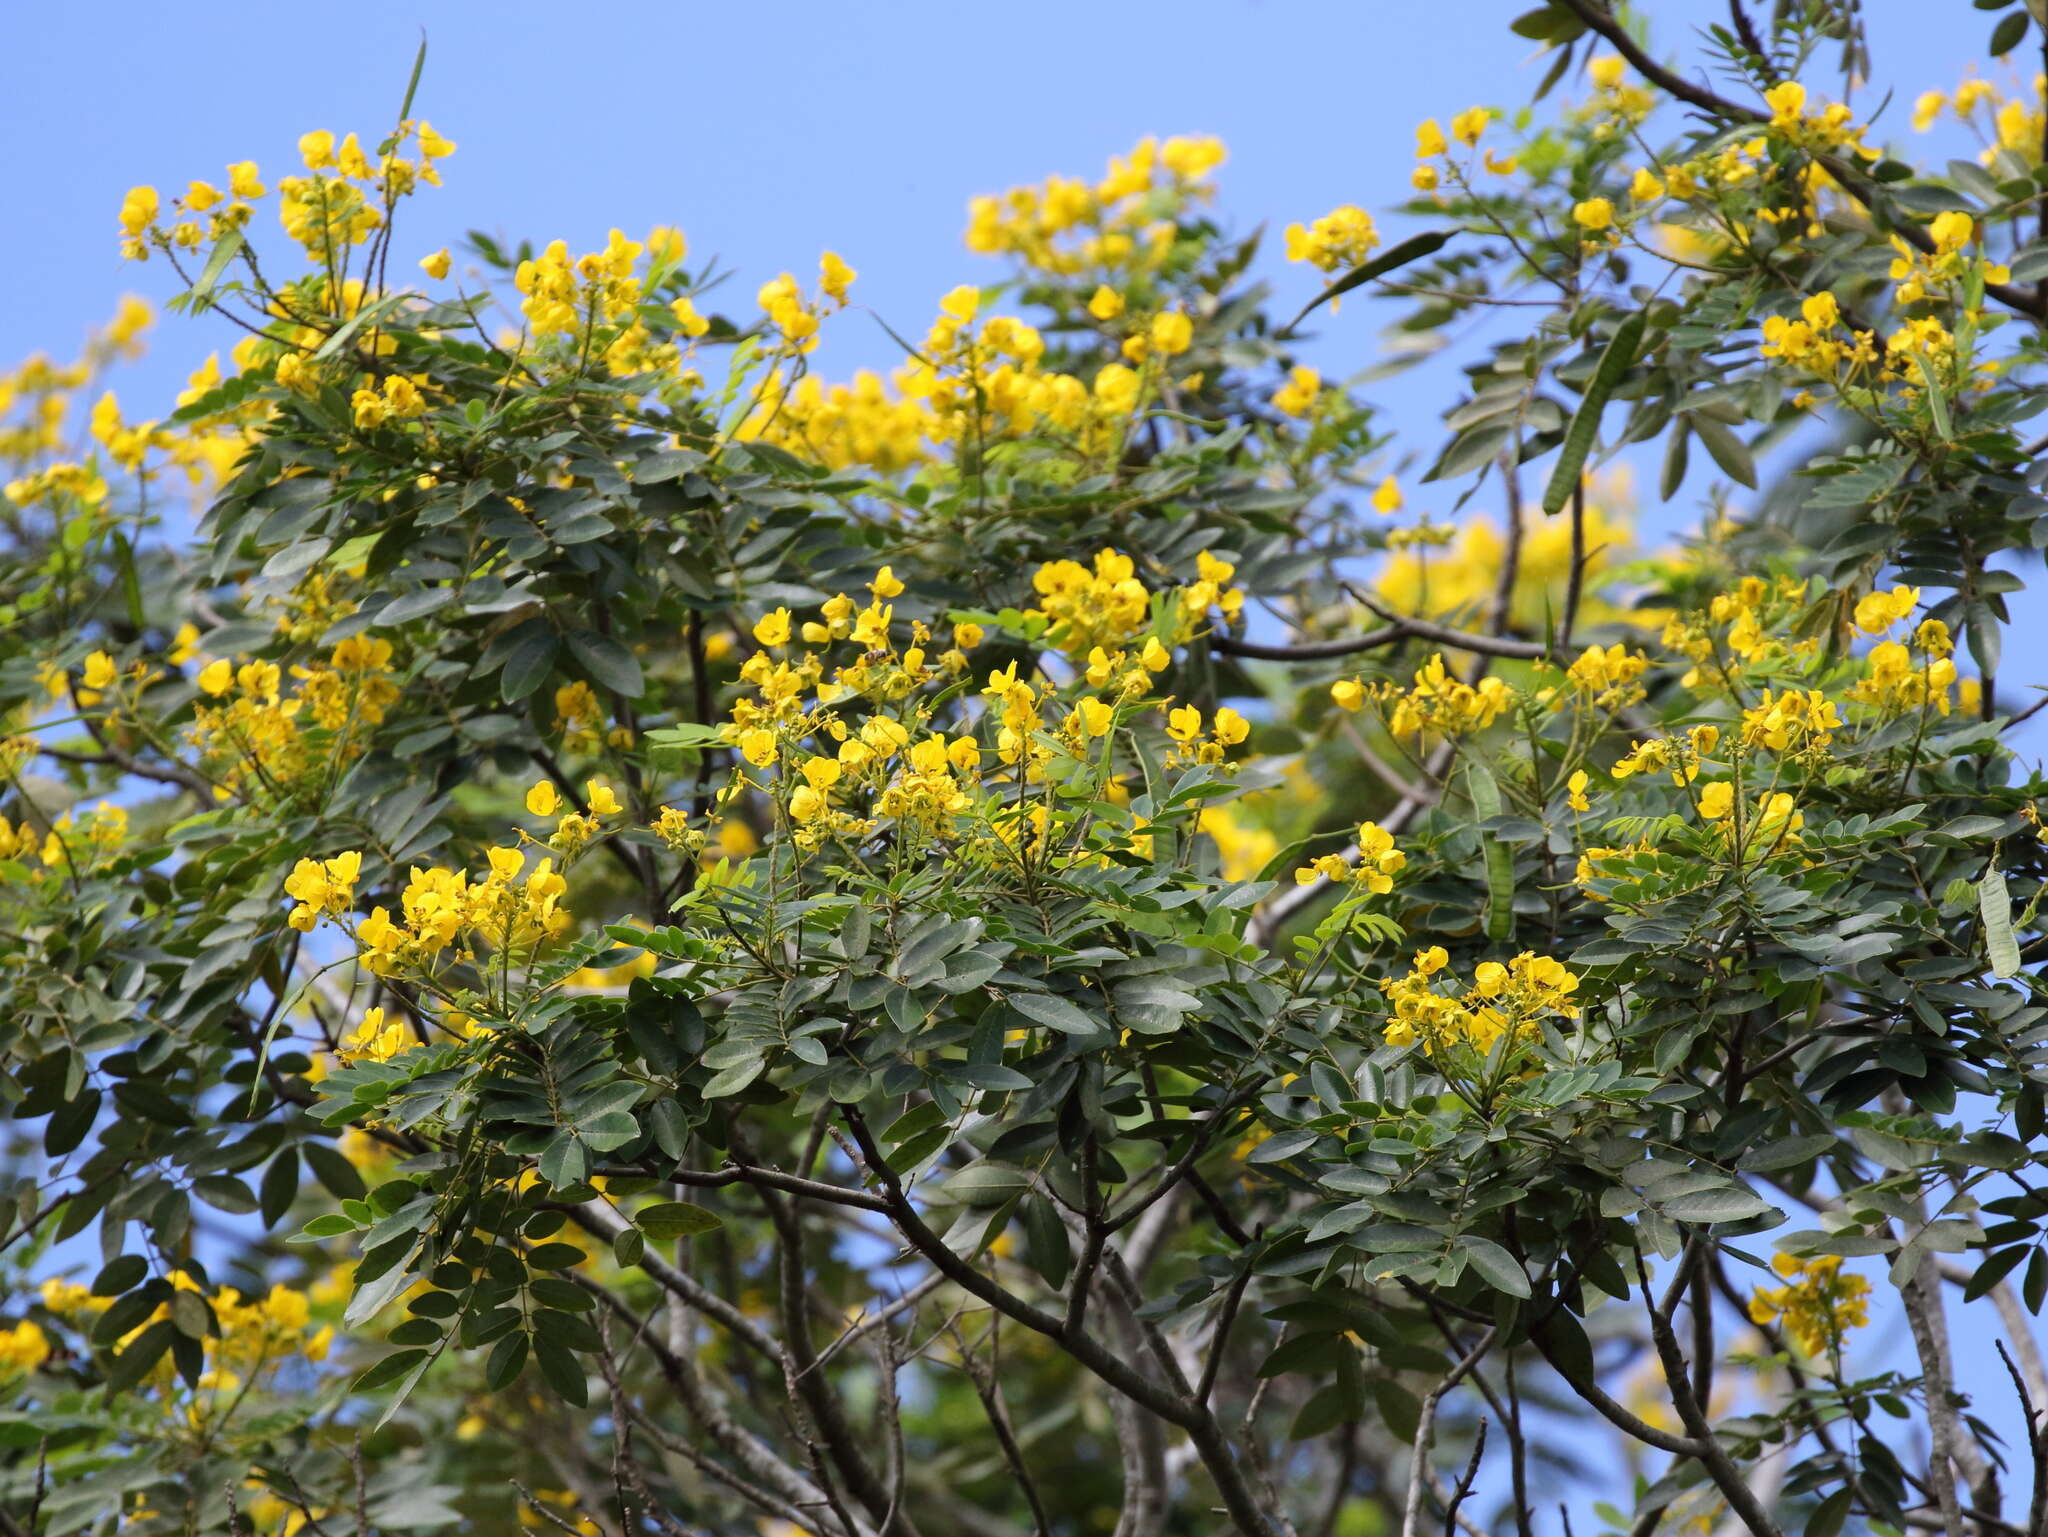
(636, 936)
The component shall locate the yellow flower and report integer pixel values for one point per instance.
(1172, 333)
(1231, 728)
(436, 266)
(1878, 611)
(100, 671)
(1818, 1306)
(139, 210)
(773, 629)
(1787, 101)
(216, 678)
(542, 800)
(1297, 397)
(688, 321)
(23, 1348)
(1429, 139)
(1596, 213)
(1575, 791)
(1348, 694)
(602, 801)
(1717, 800)
(1106, 303)
(1344, 237)
(1387, 497)
(834, 276)
(317, 150)
(885, 584)
(244, 180)
(1644, 187)
(1468, 125)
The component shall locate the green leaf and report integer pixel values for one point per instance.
(368, 315)
(1054, 1012)
(607, 662)
(1729, 451)
(1829, 1514)
(143, 1352)
(280, 1187)
(1616, 361)
(1727, 1203)
(224, 1192)
(390, 1369)
(1495, 1264)
(562, 1371)
(412, 84)
(1414, 248)
(200, 295)
(333, 1170)
(508, 1359)
(1994, 1270)
(2008, 34)
(530, 660)
(120, 1275)
(1500, 859)
(676, 1219)
(1995, 904)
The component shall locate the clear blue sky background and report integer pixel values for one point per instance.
(770, 133)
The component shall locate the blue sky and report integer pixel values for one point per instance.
(768, 134)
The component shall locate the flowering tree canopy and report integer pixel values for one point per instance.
(615, 933)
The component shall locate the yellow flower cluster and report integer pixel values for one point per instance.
(1439, 703)
(1511, 1000)
(1756, 613)
(500, 914)
(1610, 678)
(1616, 98)
(844, 425)
(1298, 396)
(1680, 757)
(1831, 130)
(326, 212)
(255, 1334)
(1341, 238)
(41, 464)
(1373, 867)
(2011, 126)
(1243, 848)
(1191, 745)
(252, 739)
(23, 1348)
(377, 1038)
(973, 381)
(1818, 1306)
(1460, 582)
(1816, 342)
(400, 400)
(1468, 127)
(1772, 824)
(322, 888)
(75, 845)
(1796, 720)
(1121, 226)
(1892, 685)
